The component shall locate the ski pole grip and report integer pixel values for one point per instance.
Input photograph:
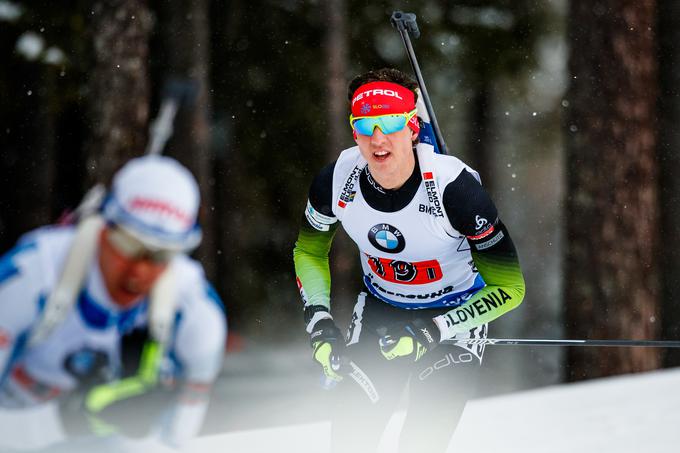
(182, 89)
(405, 22)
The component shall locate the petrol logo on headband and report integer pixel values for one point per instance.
(376, 92)
(380, 98)
(386, 238)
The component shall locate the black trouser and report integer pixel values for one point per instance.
(439, 384)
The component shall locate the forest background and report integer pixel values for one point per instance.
(569, 110)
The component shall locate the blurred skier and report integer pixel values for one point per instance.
(438, 265)
(71, 297)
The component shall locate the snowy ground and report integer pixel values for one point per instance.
(269, 402)
(629, 414)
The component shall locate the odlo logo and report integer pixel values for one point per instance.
(449, 360)
(386, 238)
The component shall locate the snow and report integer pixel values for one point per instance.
(625, 414)
(9, 11)
(31, 428)
(633, 413)
(54, 56)
(30, 45)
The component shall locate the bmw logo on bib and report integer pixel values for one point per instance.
(386, 238)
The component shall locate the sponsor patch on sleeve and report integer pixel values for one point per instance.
(489, 240)
(317, 220)
(487, 231)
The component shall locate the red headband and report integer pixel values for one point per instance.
(384, 98)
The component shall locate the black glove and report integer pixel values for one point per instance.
(412, 340)
(328, 344)
(89, 367)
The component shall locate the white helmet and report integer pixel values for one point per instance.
(156, 199)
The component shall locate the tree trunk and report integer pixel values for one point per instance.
(28, 157)
(479, 137)
(669, 166)
(343, 256)
(336, 67)
(186, 46)
(119, 85)
(612, 273)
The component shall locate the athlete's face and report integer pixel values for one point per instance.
(128, 279)
(390, 156)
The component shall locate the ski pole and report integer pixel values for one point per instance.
(560, 342)
(364, 382)
(177, 91)
(406, 23)
(348, 368)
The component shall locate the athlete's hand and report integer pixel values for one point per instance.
(328, 344)
(412, 341)
(105, 408)
(89, 367)
(103, 396)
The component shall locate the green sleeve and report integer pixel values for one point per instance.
(504, 290)
(311, 264)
